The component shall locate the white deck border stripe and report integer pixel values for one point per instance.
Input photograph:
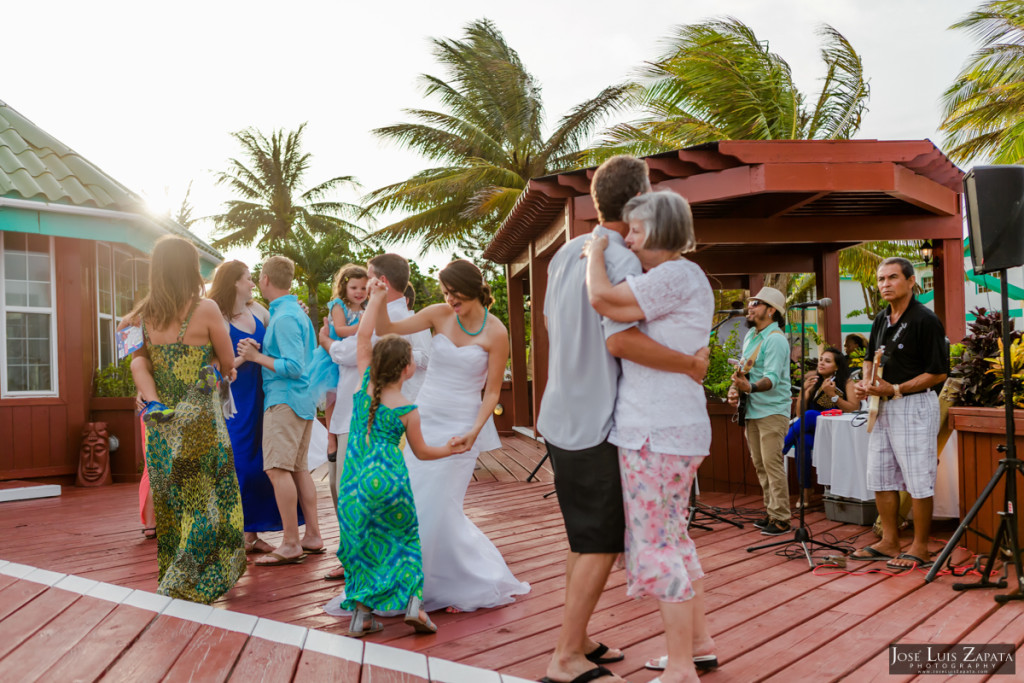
(341, 647)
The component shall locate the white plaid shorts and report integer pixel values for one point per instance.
(902, 451)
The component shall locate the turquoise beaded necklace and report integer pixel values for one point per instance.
(473, 334)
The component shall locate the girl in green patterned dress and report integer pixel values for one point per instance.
(200, 548)
(380, 542)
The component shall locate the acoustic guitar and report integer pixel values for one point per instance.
(876, 375)
(744, 368)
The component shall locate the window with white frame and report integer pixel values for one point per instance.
(29, 304)
(121, 279)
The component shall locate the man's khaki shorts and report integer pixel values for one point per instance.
(285, 439)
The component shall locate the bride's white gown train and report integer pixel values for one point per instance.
(461, 566)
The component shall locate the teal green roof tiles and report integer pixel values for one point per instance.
(36, 165)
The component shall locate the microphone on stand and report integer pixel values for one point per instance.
(817, 303)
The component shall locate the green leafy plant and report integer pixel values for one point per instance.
(977, 384)
(720, 370)
(115, 381)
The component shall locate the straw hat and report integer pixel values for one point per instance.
(772, 297)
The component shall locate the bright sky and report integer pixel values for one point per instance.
(150, 92)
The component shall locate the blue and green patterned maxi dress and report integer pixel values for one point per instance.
(380, 538)
(200, 542)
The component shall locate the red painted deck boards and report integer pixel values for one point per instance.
(47, 645)
(94, 653)
(772, 618)
(263, 660)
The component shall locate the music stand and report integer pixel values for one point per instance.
(801, 535)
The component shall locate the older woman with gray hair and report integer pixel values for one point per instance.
(661, 423)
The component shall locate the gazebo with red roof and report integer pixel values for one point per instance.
(759, 207)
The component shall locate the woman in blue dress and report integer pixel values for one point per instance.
(232, 291)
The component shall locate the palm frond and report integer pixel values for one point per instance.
(844, 94)
(983, 106)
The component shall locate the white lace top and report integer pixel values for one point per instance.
(666, 408)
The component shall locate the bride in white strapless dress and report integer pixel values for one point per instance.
(462, 568)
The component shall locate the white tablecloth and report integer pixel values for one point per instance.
(840, 460)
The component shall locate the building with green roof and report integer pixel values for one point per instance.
(74, 246)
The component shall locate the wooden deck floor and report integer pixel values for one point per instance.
(772, 618)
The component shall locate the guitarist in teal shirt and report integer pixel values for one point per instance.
(768, 403)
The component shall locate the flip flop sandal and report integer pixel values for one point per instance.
(872, 555)
(251, 549)
(335, 575)
(701, 662)
(907, 557)
(149, 532)
(597, 655)
(585, 677)
(280, 560)
(314, 551)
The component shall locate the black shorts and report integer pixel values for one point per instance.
(590, 495)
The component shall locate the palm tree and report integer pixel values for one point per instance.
(984, 108)
(316, 261)
(183, 215)
(486, 138)
(717, 81)
(273, 204)
(860, 263)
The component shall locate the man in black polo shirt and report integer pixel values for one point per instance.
(902, 451)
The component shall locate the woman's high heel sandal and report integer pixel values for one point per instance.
(412, 617)
(363, 623)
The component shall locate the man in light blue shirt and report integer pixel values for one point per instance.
(769, 403)
(289, 411)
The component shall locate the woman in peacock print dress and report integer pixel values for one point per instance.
(200, 549)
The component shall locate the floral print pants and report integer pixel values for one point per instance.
(661, 558)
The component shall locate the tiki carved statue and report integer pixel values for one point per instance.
(94, 458)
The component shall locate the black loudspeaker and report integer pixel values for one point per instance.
(995, 217)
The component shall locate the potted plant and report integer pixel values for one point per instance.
(975, 390)
(113, 402)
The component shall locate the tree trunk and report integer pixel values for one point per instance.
(779, 281)
(313, 298)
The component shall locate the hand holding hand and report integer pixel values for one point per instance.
(231, 375)
(247, 349)
(458, 444)
(324, 335)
